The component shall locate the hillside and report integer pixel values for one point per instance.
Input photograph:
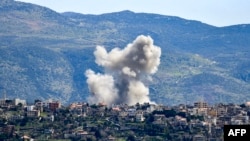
(44, 54)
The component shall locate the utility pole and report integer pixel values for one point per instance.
(4, 95)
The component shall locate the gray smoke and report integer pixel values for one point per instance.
(124, 70)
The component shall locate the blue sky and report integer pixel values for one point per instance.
(214, 12)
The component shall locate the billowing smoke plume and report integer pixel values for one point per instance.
(124, 70)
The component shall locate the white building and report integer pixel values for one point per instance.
(30, 108)
(140, 117)
(198, 111)
(131, 112)
(19, 101)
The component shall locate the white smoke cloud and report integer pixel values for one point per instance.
(102, 88)
(137, 92)
(128, 65)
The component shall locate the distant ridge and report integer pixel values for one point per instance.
(43, 54)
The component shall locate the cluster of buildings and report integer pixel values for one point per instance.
(6, 103)
(219, 114)
(33, 110)
(222, 114)
(201, 121)
(209, 119)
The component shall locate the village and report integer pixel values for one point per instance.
(50, 120)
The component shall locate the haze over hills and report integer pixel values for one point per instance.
(44, 54)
